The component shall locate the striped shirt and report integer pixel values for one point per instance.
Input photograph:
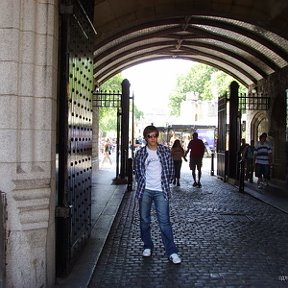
(262, 152)
(167, 165)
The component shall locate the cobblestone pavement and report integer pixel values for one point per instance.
(225, 239)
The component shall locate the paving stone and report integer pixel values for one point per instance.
(225, 239)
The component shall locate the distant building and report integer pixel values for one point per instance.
(198, 112)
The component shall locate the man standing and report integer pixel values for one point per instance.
(249, 161)
(154, 171)
(262, 160)
(197, 148)
(243, 147)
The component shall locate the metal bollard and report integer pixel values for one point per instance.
(241, 175)
(130, 174)
(212, 164)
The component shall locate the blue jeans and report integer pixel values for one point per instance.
(163, 217)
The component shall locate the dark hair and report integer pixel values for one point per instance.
(195, 134)
(150, 129)
(263, 135)
(177, 143)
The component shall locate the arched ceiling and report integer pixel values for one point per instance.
(247, 39)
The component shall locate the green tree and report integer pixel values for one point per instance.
(197, 80)
(207, 81)
(108, 116)
(113, 84)
(220, 82)
(138, 114)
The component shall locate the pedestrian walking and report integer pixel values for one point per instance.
(249, 161)
(177, 154)
(242, 149)
(262, 160)
(197, 149)
(107, 152)
(154, 171)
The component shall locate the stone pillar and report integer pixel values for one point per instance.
(28, 74)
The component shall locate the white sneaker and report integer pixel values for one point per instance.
(174, 258)
(146, 252)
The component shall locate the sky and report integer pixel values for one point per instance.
(153, 81)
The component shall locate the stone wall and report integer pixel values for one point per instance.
(276, 86)
(28, 74)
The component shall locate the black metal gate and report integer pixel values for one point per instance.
(229, 131)
(228, 134)
(110, 99)
(222, 138)
(122, 103)
(73, 211)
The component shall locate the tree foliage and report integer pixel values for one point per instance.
(196, 80)
(205, 81)
(108, 116)
(220, 83)
(138, 114)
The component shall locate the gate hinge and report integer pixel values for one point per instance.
(63, 212)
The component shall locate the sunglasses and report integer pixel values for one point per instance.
(152, 136)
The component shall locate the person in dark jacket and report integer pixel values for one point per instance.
(177, 154)
(197, 149)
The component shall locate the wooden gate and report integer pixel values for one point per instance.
(74, 136)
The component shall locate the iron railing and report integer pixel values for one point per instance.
(253, 101)
(104, 99)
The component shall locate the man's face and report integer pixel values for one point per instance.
(263, 139)
(152, 139)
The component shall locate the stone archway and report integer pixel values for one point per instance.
(30, 81)
(234, 37)
(259, 124)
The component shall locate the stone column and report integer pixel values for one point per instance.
(28, 74)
